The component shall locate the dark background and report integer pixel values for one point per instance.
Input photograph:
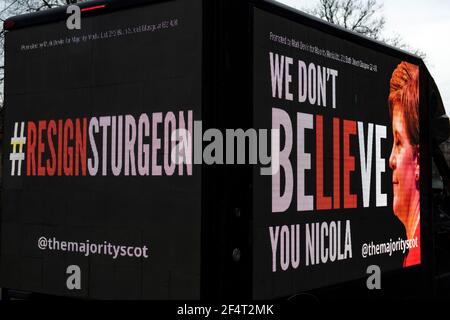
(148, 72)
(361, 96)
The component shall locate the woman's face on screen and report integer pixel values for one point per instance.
(404, 164)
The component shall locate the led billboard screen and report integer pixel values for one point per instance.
(88, 177)
(346, 194)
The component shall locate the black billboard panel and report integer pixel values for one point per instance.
(90, 186)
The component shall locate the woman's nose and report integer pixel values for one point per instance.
(392, 162)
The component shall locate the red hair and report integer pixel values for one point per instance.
(404, 93)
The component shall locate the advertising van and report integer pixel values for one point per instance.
(203, 149)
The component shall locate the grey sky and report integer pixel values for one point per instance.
(421, 24)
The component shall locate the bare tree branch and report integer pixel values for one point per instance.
(16, 7)
(47, 4)
(361, 16)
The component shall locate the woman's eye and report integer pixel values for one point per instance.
(397, 140)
